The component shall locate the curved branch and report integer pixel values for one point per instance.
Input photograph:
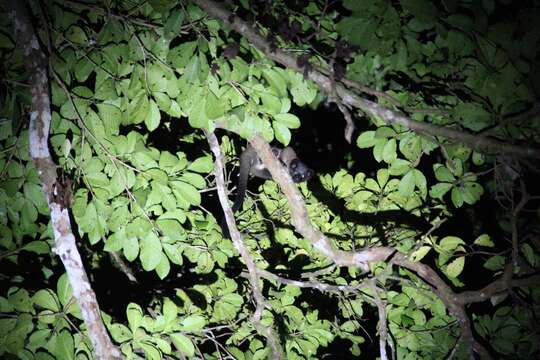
(253, 277)
(64, 242)
(349, 98)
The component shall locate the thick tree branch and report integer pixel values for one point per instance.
(40, 119)
(253, 277)
(349, 98)
(501, 285)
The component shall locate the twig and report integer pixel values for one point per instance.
(382, 328)
(117, 261)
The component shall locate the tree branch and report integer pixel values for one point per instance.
(349, 98)
(382, 328)
(253, 278)
(64, 242)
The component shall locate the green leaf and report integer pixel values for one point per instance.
(473, 116)
(170, 310)
(411, 147)
(65, 348)
(385, 132)
(151, 252)
(77, 35)
(186, 192)
(495, 263)
(215, 107)
(270, 103)
(407, 183)
(437, 191)
(163, 101)
(443, 174)
(449, 243)
(420, 181)
(457, 199)
(276, 81)
(38, 338)
(131, 248)
(144, 160)
(83, 69)
(134, 316)
(167, 161)
(478, 158)
(120, 333)
(202, 165)
(424, 10)
(530, 255)
(399, 167)
(289, 120)
(170, 227)
(173, 253)
(111, 117)
(193, 323)
(205, 263)
(115, 241)
(173, 24)
(197, 115)
(153, 117)
(20, 300)
(15, 170)
(46, 299)
(163, 268)
(193, 69)
(194, 179)
(455, 165)
(183, 343)
(240, 69)
(472, 192)
(366, 139)
(303, 91)
(39, 247)
(484, 240)
(137, 109)
(282, 133)
(382, 177)
(63, 289)
(455, 267)
(181, 55)
(420, 253)
(389, 153)
(34, 193)
(151, 352)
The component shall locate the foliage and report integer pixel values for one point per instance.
(132, 84)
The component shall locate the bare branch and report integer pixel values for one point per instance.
(260, 301)
(119, 263)
(310, 284)
(349, 127)
(382, 328)
(40, 119)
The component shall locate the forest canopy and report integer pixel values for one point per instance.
(122, 129)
